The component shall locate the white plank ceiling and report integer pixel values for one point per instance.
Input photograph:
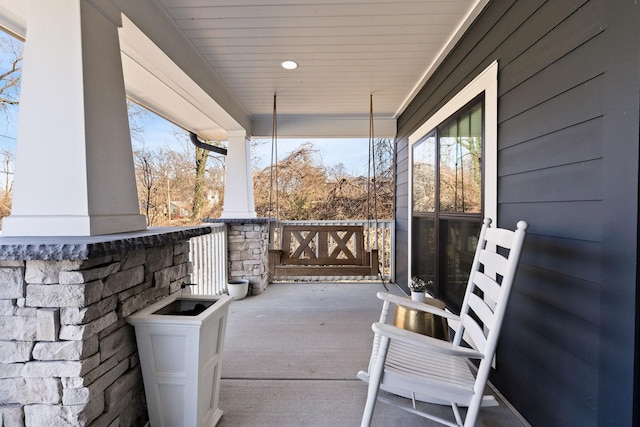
(346, 49)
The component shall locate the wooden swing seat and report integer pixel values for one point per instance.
(322, 250)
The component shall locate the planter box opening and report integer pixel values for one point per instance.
(182, 307)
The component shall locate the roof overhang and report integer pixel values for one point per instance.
(172, 65)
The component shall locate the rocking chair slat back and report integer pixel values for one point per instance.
(487, 285)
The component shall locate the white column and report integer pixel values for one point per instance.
(238, 187)
(74, 165)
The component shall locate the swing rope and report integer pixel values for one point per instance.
(273, 176)
(371, 180)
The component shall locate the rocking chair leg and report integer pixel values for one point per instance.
(474, 408)
(456, 413)
(375, 377)
(367, 416)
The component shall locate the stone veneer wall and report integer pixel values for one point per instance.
(248, 251)
(67, 355)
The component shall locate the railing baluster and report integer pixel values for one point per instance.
(208, 254)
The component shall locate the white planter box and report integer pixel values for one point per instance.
(180, 355)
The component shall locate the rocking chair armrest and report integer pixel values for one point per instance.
(416, 305)
(427, 343)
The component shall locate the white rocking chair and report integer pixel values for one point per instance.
(427, 369)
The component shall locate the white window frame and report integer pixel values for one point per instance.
(486, 82)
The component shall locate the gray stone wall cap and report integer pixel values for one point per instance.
(238, 220)
(56, 248)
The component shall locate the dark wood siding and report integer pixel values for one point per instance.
(568, 121)
(402, 220)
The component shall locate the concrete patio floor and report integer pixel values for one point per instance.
(292, 354)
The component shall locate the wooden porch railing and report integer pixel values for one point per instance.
(208, 254)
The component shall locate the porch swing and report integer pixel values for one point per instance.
(320, 250)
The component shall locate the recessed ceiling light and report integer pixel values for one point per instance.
(289, 65)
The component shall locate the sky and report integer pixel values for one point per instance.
(352, 153)
(7, 139)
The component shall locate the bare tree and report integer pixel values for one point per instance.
(7, 162)
(199, 189)
(5, 203)
(146, 172)
(137, 114)
(380, 192)
(12, 72)
(308, 190)
(10, 75)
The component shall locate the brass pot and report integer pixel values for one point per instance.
(421, 322)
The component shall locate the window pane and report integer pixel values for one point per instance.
(460, 163)
(424, 173)
(424, 248)
(458, 241)
(448, 157)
